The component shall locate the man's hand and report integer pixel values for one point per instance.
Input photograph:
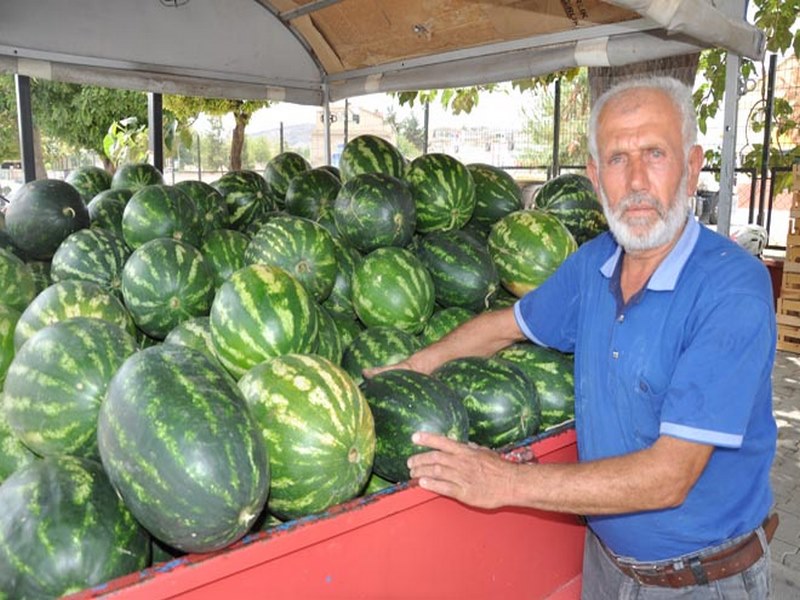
(469, 473)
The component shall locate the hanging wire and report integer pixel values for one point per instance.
(173, 3)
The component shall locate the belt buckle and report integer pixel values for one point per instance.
(640, 572)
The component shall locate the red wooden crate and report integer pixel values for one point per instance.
(403, 542)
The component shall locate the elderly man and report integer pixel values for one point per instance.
(673, 332)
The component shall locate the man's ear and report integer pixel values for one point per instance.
(695, 164)
(592, 173)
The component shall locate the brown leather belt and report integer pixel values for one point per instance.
(701, 570)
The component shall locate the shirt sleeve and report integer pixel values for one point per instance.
(548, 314)
(724, 370)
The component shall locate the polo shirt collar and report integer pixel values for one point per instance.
(666, 275)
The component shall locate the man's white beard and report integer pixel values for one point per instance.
(659, 233)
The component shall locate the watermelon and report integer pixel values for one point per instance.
(311, 194)
(135, 176)
(57, 381)
(182, 449)
(16, 281)
(106, 209)
(259, 220)
(96, 255)
(280, 171)
(496, 195)
(571, 198)
(501, 401)
(403, 402)
(67, 299)
(164, 282)
(552, 374)
(8, 321)
(376, 483)
(527, 247)
(373, 210)
(194, 333)
(503, 299)
(209, 202)
(7, 244)
(89, 181)
(329, 340)
(333, 171)
(13, 453)
(462, 271)
(42, 214)
(247, 196)
(348, 327)
(63, 529)
(40, 270)
(443, 192)
(318, 431)
(392, 287)
(340, 300)
(224, 250)
(261, 312)
(370, 154)
(161, 211)
(442, 322)
(376, 347)
(301, 247)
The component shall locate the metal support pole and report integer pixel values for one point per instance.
(767, 136)
(199, 164)
(25, 124)
(346, 118)
(326, 115)
(727, 177)
(556, 127)
(281, 137)
(426, 120)
(155, 118)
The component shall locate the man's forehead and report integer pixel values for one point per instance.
(635, 98)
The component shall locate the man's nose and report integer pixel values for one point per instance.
(638, 180)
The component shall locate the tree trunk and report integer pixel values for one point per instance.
(38, 154)
(237, 139)
(107, 164)
(683, 68)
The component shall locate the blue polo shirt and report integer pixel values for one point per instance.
(689, 356)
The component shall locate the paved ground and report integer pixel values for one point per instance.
(785, 546)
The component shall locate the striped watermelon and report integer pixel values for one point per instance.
(496, 195)
(106, 209)
(164, 282)
(552, 374)
(373, 210)
(63, 529)
(261, 219)
(527, 246)
(299, 246)
(258, 313)
(40, 270)
(443, 192)
(376, 347)
(318, 431)
(89, 181)
(340, 300)
(194, 333)
(13, 453)
(16, 281)
(501, 401)
(280, 171)
(571, 198)
(96, 255)
(8, 321)
(42, 214)
(403, 402)
(462, 271)
(329, 340)
(376, 483)
(182, 449)
(161, 211)
(57, 381)
(442, 322)
(67, 299)
(209, 202)
(333, 171)
(392, 287)
(311, 194)
(135, 176)
(348, 327)
(247, 196)
(370, 154)
(224, 251)
(503, 299)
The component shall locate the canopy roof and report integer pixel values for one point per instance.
(310, 51)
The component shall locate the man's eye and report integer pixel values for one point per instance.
(616, 159)
(656, 153)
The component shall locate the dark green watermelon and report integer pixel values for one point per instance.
(552, 374)
(571, 198)
(42, 214)
(106, 209)
(373, 210)
(57, 381)
(496, 195)
(161, 211)
(340, 300)
(182, 449)
(280, 171)
(164, 282)
(13, 453)
(224, 251)
(376, 483)
(442, 322)
(16, 281)
(40, 270)
(443, 192)
(63, 529)
(89, 181)
(311, 194)
(96, 255)
(329, 340)
(247, 196)
(348, 327)
(209, 202)
(376, 347)
(135, 176)
(370, 154)
(194, 333)
(318, 430)
(501, 401)
(402, 403)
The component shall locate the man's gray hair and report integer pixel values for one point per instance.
(679, 93)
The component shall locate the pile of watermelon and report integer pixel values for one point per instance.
(181, 365)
